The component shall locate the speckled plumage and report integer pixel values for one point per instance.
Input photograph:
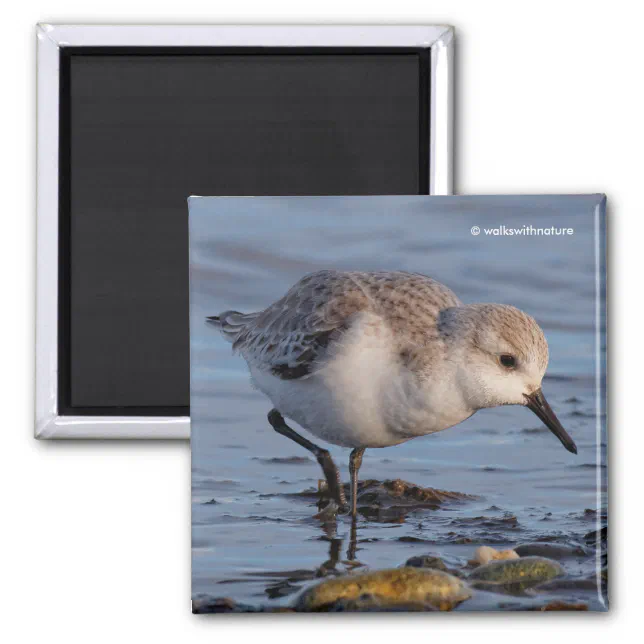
(292, 336)
(370, 359)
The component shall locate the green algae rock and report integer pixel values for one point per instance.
(391, 589)
(513, 576)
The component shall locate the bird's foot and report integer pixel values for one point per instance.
(334, 495)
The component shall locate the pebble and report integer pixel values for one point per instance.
(484, 554)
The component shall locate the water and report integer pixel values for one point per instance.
(254, 538)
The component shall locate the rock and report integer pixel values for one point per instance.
(434, 562)
(597, 538)
(373, 604)
(373, 491)
(393, 499)
(389, 589)
(513, 576)
(389, 501)
(561, 605)
(408, 492)
(209, 604)
(427, 561)
(566, 585)
(549, 550)
(484, 554)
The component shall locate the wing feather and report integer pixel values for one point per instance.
(292, 337)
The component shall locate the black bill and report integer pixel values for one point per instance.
(539, 405)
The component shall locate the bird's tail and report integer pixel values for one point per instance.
(230, 323)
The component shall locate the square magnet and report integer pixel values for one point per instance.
(348, 370)
(134, 119)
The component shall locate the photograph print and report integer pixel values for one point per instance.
(335, 341)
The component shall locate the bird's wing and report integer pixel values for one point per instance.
(291, 338)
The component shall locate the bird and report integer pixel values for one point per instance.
(373, 359)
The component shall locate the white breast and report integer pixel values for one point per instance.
(362, 396)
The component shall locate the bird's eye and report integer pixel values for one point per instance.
(508, 361)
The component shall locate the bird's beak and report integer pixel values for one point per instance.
(539, 405)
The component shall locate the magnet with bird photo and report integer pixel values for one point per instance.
(335, 340)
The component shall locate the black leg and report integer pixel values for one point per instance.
(355, 461)
(331, 473)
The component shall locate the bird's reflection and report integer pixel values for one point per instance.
(282, 583)
(330, 529)
(353, 540)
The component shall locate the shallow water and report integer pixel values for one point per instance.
(255, 539)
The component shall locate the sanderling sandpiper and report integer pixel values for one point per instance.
(373, 359)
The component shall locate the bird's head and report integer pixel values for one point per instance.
(500, 356)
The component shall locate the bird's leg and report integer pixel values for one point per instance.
(323, 457)
(355, 461)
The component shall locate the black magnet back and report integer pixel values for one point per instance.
(142, 129)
